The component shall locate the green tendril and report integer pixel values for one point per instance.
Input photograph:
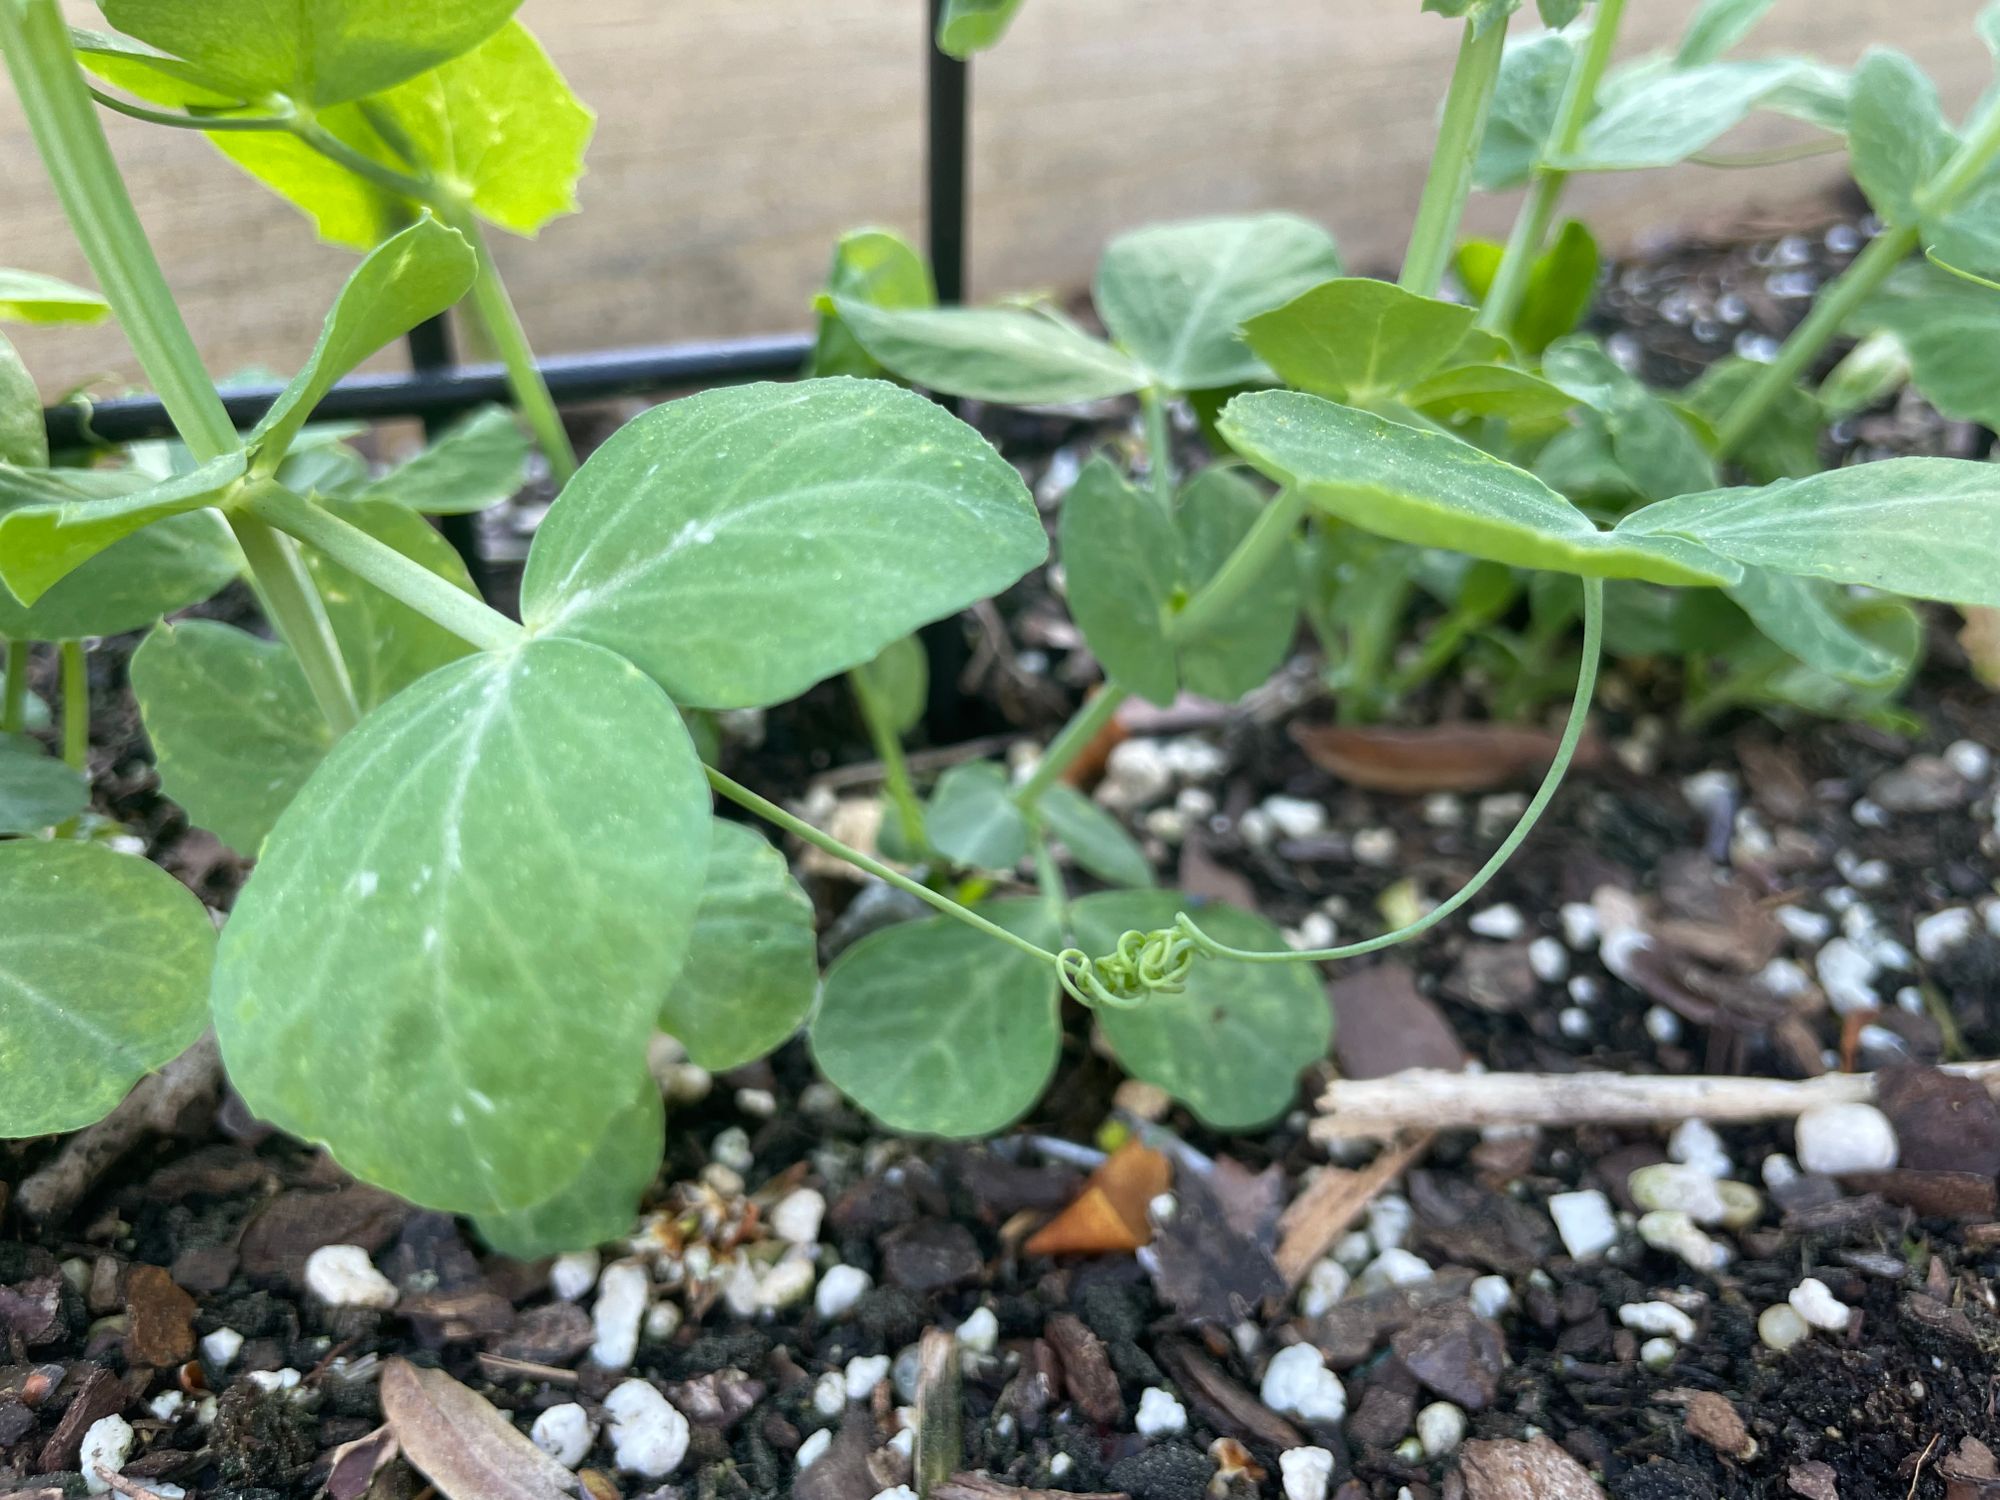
(1143, 964)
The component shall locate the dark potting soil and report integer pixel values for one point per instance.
(1744, 846)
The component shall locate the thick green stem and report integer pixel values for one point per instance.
(1538, 212)
(75, 705)
(799, 828)
(463, 614)
(1460, 134)
(1159, 447)
(889, 750)
(14, 705)
(496, 314)
(1076, 737)
(71, 140)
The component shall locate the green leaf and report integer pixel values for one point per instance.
(50, 525)
(603, 1201)
(1561, 285)
(1644, 620)
(1890, 624)
(1557, 14)
(1897, 137)
(1717, 26)
(474, 464)
(1435, 491)
(1246, 642)
(452, 952)
(876, 267)
(24, 441)
(972, 818)
(1650, 440)
(1803, 615)
(1358, 340)
(1176, 296)
(234, 727)
(937, 1029)
(1121, 560)
(1658, 116)
(1875, 369)
(1483, 14)
(1528, 405)
(37, 791)
(34, 707)
(28, 297)
(900, 678)
(1533, 74)
(1231, 1045)
(1951, 330)
(1928, 528)
(1784, 444)
(1095, 839)
(1005, 354)
(742, 544)
(104, 963)
(386, 644)
(969, 26)
(753, 963)
(318, 52)
(409, 277)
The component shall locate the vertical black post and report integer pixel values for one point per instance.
(945, 163)
(431, 349)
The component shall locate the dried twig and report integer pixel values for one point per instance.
(1430, 1099)
(1320, 1215)
(130, 1488)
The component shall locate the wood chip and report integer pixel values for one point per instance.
(462, 1443)
(940, 1441)
(159, 1319)
(102, 1395)
(1502, 1469)
(1338, 1197)
(1087, 1372)
(1714, 1421)
(1222, 1403)
(979, 1487)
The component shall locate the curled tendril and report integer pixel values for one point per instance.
(1142, 964)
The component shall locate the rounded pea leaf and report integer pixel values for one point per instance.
(454, 945)
(1897, 135)
(968, 26)
(1358, 339)
(1951, 331)
(753, 962)
(23, 439)
(873, 266)
(1097, 841)
(1804, 616)
(1121, 560)
(37, 791)
(1231, 1045)
(104, 967)
(603, 1201)
(1435, 491)
(743, 544)
(937, 1029)
(474, 464)
(972, 818)
(1176, 296)
(168, 566)
(1012, 355)
(28, 297)
(899, 679)
(1245, 643)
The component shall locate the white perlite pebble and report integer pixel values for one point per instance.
(1503, 922)
(1942, 931)
(564, 1433)
(789, 1281)
(1490, 1296)
(1326, 1283)
(1678, 1188)
(1969, 758)
(839, 1290)
(797, 1217)
(648, 1436)
(1376, 847)
(1836, 1138)
(1847, 974)
(1580, 924)
(274, 1380)
(1810, 928)
(221, 1347)
(1662, 1025)
(1673, 1232)
(811, 1449)
(622, 1294)
(663, 1321)
(980, 1332)
(1779, 1326)
(1573, 1023)
(1160, 1415)
(1440, 1428)
(1136, 773)
(896, 1492)
(864, 1373)
(731, 1149)
(1657, 1317)
(1812, 1300)
(1695, 1143)
(1354, 1249)
(1389, 1219)
(1295, 817)
(106, 1445)
(1297, 1383)
(1549, 959)
(1395, 1267)
(1657, 1354)
(1585, 1222)
(1307, 1472)
(344, 1276)
(573, 1273)
(166, 1406)
(830, 1394)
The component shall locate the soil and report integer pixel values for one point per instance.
(1702, 841)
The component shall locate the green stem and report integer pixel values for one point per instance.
(1076, 737)
(1270, 535)
(14, 706)
(71, 140)
(768, 810)
(889, 750)
(496, 314)
(75, 705)
(1460, 134)
(463, 614)
(1538, 212)
(1586, 683)
(177, 121)
(331, 146)
(1159, 447)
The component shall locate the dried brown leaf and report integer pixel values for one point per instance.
(1109, 1215)
(356, 1464)
(1466, 757)
(464, 1444)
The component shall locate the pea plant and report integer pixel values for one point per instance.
(489, 866)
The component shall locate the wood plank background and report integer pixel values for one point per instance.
(737, 138)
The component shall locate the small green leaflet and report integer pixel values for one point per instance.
(1650, 440)
(1121, 562)
(318, 52)
(452, 952)
(1951, 330)
(28, 297)
(1785, 444)
(900, 679)
(721, 541)
(1897, 136)
(872, 266)
(1095, 839)
(104, 966)
(1010, 355)
(1231, 1045)
(603, 1201)
(972, 818)
(1779, 680)
(753, 962)
(1176, 296)
(1483, 14)
(1928, 528)
(1533, 74)
(969, 26)
(1526, 404)
(234, 728)
(37, 791)
(1557, 14)
(1657, 116)
(937, 1029)
(1561, 284)
(24, 441)
(1804, 616)
(1435, 491)
(1358, 340)
(1247, 642)
(474, 464)
(409, 277)
(1716, 27)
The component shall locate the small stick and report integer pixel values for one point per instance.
(130, 1488)
(1431, 1099)
(1320, 1215)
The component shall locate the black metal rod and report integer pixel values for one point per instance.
(431, 348)
(444, 394)
(945, 162)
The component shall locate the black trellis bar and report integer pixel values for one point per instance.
(945, 162)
